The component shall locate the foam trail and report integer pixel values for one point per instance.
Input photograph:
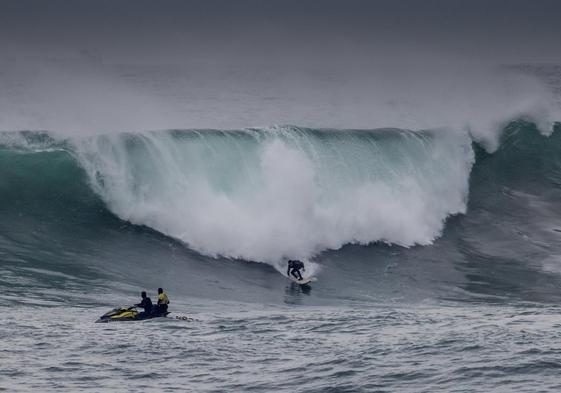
(265, 194)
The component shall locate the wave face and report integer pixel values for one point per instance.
(262, 194)
(265, 194)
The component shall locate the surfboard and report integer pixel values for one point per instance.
(303, 281)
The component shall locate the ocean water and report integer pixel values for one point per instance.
(436, 253)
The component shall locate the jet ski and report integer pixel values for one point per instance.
(129, 314)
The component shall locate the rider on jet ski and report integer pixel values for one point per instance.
(146, 304)
(163, 301)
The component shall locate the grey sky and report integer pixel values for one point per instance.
(81, 66)
(264, 30)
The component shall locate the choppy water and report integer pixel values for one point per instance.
(235, 347)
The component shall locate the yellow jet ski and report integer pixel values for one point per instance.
(129, 314)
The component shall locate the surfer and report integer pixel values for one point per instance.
(163, 301)
(294, 267)
(146, 304)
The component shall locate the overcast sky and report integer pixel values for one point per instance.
(171, 31)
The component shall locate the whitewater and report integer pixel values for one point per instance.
(427, 207)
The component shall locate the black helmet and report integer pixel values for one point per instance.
(160, 290)
(143, 294)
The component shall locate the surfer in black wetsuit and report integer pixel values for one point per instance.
(146, 304)
(294, 267)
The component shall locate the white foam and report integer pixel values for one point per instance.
(270, 194)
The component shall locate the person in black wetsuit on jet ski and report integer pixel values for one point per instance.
(146, 304)
(294, 267)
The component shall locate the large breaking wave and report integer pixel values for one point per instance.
(63, 201)
(284, 192)
(265, 194)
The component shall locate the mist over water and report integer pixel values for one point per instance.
(81, 96)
